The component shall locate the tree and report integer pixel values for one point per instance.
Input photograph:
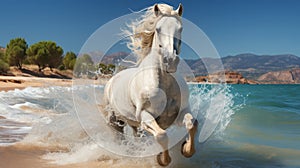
(55, 54)
(16, 52)
(111, 68)
(83, 65)
(45, 53)
(107, 69)
(2, 55)
(69, 60)
(37, 54)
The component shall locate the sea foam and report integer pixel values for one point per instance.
(70, 122)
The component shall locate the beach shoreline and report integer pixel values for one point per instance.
(8, 83)
(15, 156)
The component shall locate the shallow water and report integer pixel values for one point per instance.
(251, 126)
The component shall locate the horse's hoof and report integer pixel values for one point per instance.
(193, 130)
(186, 153)
(195, 124)
(161, 162)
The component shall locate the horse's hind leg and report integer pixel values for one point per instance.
(188, 147)
(150, 125)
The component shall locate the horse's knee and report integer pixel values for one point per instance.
(161, 136)
(162, 139)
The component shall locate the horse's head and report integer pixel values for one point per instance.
(168, 37)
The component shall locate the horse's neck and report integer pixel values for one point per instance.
(153, 66)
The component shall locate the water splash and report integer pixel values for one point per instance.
(215, 107)
(56, 125)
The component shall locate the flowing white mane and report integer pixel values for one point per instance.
(141, 31)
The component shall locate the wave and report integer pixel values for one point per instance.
(67, 121)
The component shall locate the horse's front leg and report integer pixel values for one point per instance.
(188, 147)
(186, 119)
(149, 124)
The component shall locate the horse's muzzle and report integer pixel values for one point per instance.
(171, 64)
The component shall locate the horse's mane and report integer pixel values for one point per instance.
(140, 32)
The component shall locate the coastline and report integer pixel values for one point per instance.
(8, 83)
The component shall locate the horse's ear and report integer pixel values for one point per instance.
(157, 11)
(179, 10)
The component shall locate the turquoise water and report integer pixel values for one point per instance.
(265, 132)
(271, 116)
(259, 125)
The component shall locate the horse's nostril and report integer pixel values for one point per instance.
(160, 46)
(165, 60)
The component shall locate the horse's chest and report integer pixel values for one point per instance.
(169, 115)
(164, 107)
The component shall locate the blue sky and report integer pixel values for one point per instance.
(233, 26)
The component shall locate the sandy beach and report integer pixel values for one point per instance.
(30, 157)
(18, 82)
(16, 156)
(13, 157)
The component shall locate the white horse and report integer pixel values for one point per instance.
(153, 96)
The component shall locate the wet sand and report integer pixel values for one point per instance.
(25, 157)
(14, 157)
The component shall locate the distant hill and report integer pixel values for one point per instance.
(251, 66)
(111, 58)
(281, 77)
(114, 58)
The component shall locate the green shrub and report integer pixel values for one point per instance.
(4, 67)
(61, 67)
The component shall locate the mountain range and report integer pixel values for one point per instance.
(250, 65)
(261, 68)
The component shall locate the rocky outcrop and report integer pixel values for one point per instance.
(281, 77)
(228, 77)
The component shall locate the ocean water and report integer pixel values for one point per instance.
(239, 126)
